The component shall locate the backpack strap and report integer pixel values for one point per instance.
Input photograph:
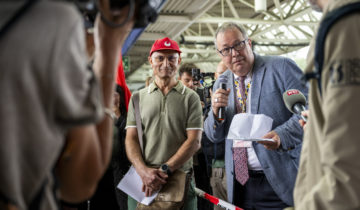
(330, 19)
(20, 12)
(138, 119)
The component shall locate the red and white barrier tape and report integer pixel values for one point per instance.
(215, 200)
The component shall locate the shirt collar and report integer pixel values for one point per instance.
(179, 87)
(248, 76)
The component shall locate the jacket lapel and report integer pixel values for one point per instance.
(256, 83)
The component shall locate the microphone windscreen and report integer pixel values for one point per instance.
(292, 97)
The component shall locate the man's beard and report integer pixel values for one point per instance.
(315, 6)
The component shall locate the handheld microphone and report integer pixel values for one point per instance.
(223, 80)
(295, 102)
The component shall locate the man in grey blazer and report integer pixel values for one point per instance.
(272, 166)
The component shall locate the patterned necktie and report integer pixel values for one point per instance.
(240, 153)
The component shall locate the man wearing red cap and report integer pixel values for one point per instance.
(171, 116)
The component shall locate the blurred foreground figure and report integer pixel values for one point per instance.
(328, 176)
(51, 148)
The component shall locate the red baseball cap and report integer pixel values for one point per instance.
(165, 44)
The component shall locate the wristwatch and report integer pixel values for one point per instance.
(165, 168)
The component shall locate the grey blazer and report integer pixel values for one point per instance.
(272, 76)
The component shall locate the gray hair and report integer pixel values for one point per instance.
(230, 26)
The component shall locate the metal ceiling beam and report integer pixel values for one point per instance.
(300, 13)
(278, 40)
(253, 21)
(183, 50)
(208, 25)
(291, 31)
(194, 60)
(289, 21)
(173, 18)
(304, 32)
(232, 9)
(147, 36)
(200, 51)
(195, 16)
(196, 5)
(261, 32)
(278, 6)
(217, 20)
(291, 9)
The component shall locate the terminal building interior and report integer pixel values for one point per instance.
(276, 27)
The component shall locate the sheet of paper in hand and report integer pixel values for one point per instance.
(131, 184)
(250, 127)
(255, 139)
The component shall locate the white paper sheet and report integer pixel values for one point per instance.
(255, 139)
(131, 184)
(250, 127)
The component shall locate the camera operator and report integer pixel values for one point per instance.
(56, 124)
(206, 82)
(214, 153)
(202, 179)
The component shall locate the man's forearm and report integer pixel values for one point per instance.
(186, 151)
(133, 150)
(106, 69)
(81, 156)
(108, 42)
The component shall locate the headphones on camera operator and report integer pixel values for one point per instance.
(147, 10)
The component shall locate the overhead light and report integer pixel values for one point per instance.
(260, 5)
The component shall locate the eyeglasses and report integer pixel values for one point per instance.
(238, 46)
(170, 58)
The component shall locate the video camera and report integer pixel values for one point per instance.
(207, 80)
(146, 10)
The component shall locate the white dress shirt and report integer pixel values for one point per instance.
(253, 161)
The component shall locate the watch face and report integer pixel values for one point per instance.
(164, 167)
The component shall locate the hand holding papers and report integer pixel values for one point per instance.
(250, 127)
(246, 128)
(131, 184)
(255, 139)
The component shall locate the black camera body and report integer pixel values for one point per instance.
(146, 10)
(201, 76)
(207, 80)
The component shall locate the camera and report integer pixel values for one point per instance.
(146, 10)
(207, 81)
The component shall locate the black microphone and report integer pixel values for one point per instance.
(295, 102)
(223, 80)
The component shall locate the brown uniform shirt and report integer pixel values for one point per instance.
(329, 173)
(45, 90)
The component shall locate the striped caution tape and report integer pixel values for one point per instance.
(215, 200)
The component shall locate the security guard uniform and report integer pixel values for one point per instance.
(329, 173)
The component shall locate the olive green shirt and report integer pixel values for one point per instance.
(165, 121)
(218, 164)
